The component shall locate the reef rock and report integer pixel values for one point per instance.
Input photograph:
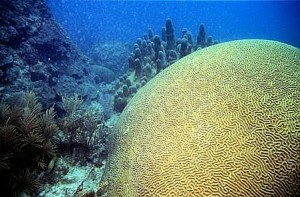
(36, 54)
(112, 55)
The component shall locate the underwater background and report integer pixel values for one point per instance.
(88, 21)
(68, 69)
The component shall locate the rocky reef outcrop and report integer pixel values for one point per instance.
(36, 54)
(111, 54)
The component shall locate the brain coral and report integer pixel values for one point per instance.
(223, 121)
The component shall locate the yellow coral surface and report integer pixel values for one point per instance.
(223, 121)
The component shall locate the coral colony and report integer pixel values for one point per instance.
(152, 54)
(58, 130)
(221, 121)
(161, 117)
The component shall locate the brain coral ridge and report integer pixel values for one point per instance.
(223, 121)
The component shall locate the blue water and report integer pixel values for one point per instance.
(90, 21)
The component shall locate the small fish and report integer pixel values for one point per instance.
(23, 194)
(51, 165)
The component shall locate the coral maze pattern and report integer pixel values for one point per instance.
(223, 121)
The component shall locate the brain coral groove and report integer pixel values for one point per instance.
(223, 121)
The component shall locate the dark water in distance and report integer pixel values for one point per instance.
(89, 21)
